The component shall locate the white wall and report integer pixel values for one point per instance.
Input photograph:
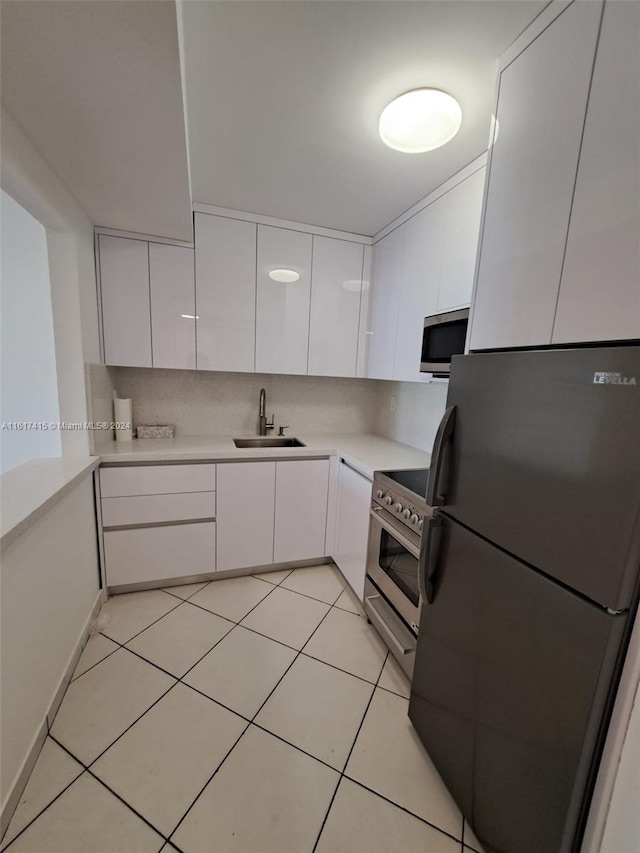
(27, 178)
(49, 586)
(29, 386)
(207, 403)
(418, 410)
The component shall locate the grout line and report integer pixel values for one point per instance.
(344, 766)
(128, 805)
(75, 779)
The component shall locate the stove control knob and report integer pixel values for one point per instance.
(406, 513)
(398, 507)
(414, 519)
(419, 524)
(379, 494)
(388, 500)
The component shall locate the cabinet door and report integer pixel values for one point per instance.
(365, 314)
(126, 309)
(541, 107)
(336, 288)
(244, 514)
(385, 297)
(173, 307)
(463, 210)
(225, 293)
(422, 258)
(301, 509)
(282, 320)
(144, 554)
(352, 527)
(600, 288)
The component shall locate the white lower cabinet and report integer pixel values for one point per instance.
(301, 509)
(143, 554)
(245, 514)
(352, 527)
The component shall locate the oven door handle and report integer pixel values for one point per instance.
(429, 553)
(391, 530)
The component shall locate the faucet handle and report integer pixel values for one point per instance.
(282, 429)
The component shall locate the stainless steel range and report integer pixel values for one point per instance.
(392, 597)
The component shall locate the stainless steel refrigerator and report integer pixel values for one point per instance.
(530, 571)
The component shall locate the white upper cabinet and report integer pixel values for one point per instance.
(336, 288)
(600, 287)
(173, 309)
(385, 298)
(542, 102)
(225, 293)
(126, 309)
(422, 260)
(301, 509)
(282, 315)
(463, 206)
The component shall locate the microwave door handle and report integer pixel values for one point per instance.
(429, 553)
(445, 430)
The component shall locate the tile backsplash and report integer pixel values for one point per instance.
(210, 403)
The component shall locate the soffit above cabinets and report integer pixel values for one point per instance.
(283, 100)
(96, 88)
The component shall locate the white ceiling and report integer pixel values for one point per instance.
(96, 88)
(283, 100)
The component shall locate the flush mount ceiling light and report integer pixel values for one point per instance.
(420, 120)
(284, 276)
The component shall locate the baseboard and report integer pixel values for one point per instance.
(214, 576)
(22, 777)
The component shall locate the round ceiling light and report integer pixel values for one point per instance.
(420, 120)
(284, 276)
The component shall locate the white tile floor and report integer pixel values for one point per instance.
(248, 715)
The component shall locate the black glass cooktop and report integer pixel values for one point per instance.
(414, 479)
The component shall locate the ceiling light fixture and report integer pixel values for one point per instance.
(420, 120)
(284, 276)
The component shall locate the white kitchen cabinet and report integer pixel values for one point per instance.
(463, 209)
(173, 308)
(245, 514)
(147, 554)
(420, 275)
(225, 293)
(600, 288)
(385, 298)
(336, 289)
(282, 309)
(541, 108)
(138, 505)
(301, 509)
(126, 307)
(352, 527)
(365, 313)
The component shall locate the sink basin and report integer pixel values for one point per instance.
(268, 442)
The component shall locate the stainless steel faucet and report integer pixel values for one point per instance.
(264, 424)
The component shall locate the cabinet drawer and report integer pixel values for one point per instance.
(146, 509)
(158, 553)
(157, 480)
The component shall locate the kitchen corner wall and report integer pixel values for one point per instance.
(209, 403)
(418, 410)
(201, 403)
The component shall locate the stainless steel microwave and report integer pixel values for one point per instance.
(444, 336)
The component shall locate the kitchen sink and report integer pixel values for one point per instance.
(268, 442)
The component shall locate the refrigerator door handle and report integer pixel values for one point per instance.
(445, 430)
(429, 552)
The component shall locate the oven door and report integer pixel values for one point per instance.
(392, 564)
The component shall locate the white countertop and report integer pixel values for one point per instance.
(366, 453)
(30, 489)
(26, 492)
